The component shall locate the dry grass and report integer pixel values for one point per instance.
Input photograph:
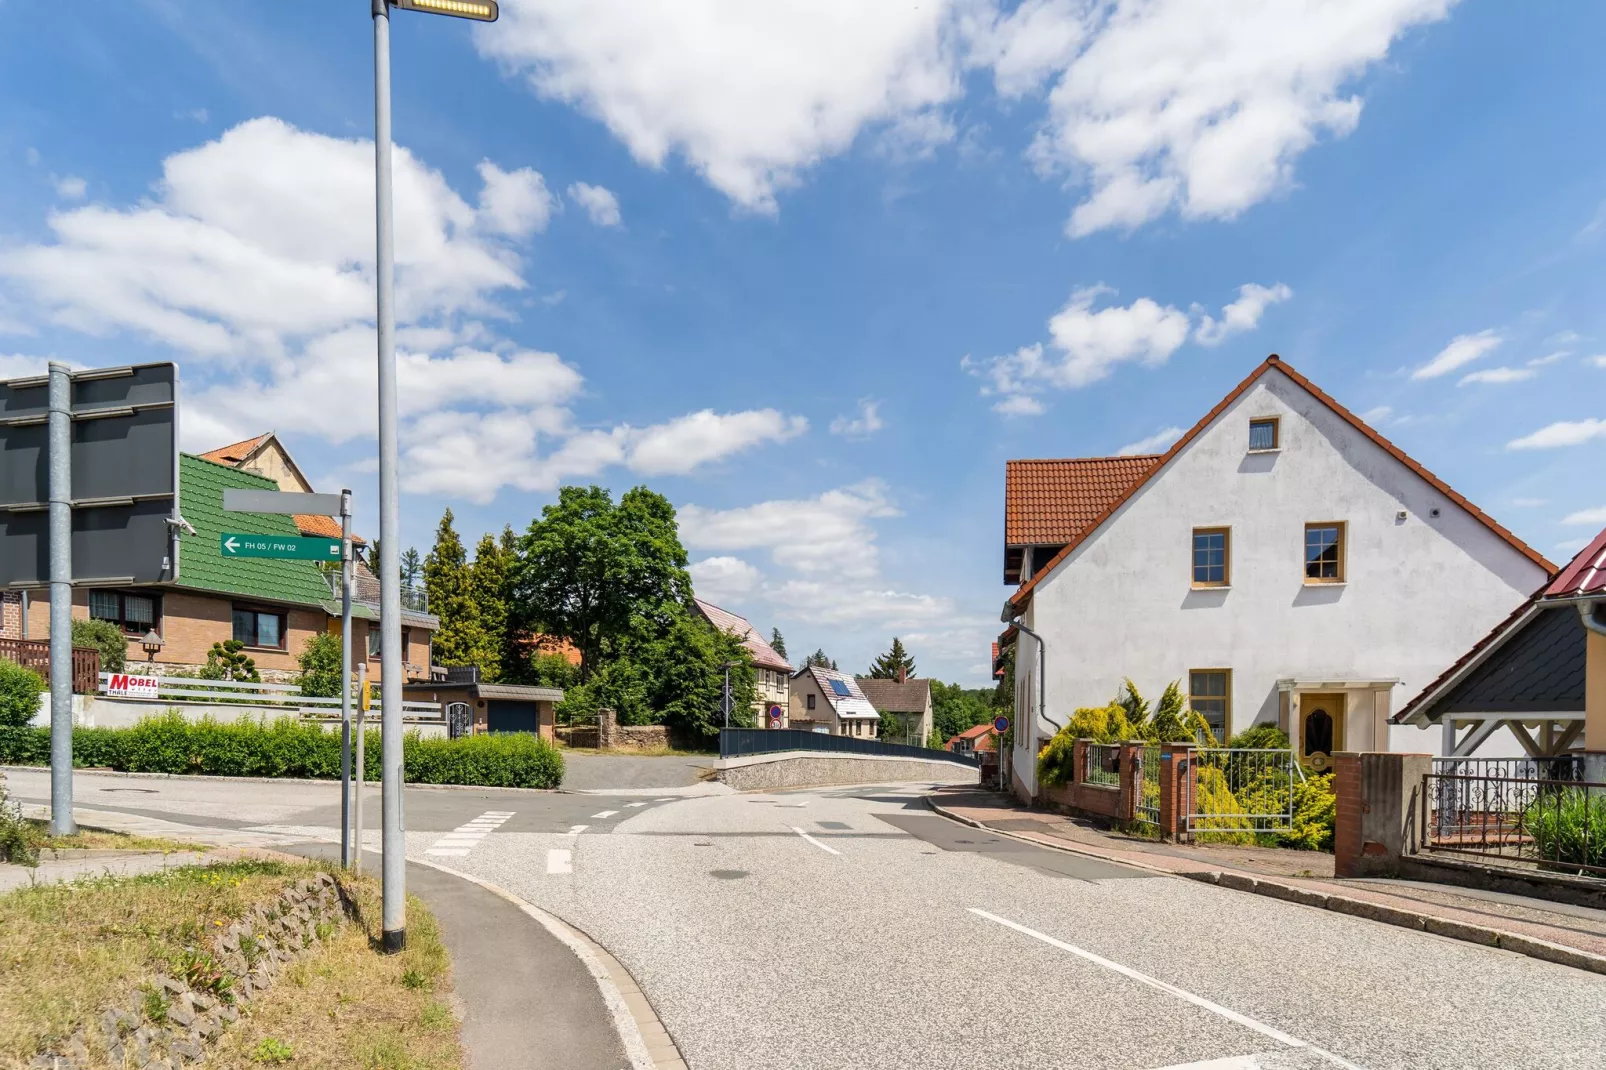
(68, 951)
(353, 1008)
(91, 840)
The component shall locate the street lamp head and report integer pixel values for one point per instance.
(478, 10)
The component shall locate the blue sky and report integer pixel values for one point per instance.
(815, 270)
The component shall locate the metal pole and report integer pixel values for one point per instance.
(346, 849)
(60, 490)
(394, 922)
(356, 809)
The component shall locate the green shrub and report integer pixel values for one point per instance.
(320, 666)
(1262, 736)
(225, 661)
(19, 840)
(1568, 826)
(289, 748)
(105, 637)
(1315, 813)
(19, 693)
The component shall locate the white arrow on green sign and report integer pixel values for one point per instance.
(289, 547)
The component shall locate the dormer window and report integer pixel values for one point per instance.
(1263, 434)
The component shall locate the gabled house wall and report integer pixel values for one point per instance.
(1419, 588)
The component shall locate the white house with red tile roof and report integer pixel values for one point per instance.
(1282, 560)
(771, 672)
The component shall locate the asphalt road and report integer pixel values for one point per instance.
(852, 928)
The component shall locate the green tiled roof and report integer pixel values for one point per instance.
(202, 567)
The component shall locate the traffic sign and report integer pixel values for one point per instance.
(244, 500)
(775, 716)
(1001, 725)
(287, 547)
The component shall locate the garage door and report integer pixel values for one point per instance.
(511, 715)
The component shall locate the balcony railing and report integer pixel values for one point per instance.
(365, 591)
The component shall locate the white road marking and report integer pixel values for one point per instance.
(1231, 1062)
(558, 861)
(663, 800)
(815, 842)
(1143, 978)
(575, 830)
(635, 804)
(605, 813)
(463, 838)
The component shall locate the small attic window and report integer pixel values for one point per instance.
(1263, 434)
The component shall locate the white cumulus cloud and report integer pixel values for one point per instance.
(1586, 516)
(826, 534)
(1242, 315)
(1463, 349)
(71, 188)
(866, 423)
(750, 94)
(1497, 376)
(599, 202)
(723, 579)
(1561, 433)
(1158, 442)
(681, 445)
(514, 203)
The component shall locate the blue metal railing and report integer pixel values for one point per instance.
(740, 742)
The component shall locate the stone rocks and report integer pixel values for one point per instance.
(251, 952)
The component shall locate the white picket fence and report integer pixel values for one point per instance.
(287, 697)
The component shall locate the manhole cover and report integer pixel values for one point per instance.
(142, 791)
(728, 874)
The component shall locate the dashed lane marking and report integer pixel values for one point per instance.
(1198, 1001)
(815, 842)
(632, 805)
(575, 830)
(461, 840)
(663, 800)
(559, 860)
(605, 813)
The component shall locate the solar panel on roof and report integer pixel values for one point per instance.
(841, 689)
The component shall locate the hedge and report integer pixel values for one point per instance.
(289, 748)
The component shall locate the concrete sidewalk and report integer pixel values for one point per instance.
(1556, 932)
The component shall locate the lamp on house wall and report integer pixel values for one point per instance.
(151, 644)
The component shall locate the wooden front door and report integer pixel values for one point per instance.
(1320, 730)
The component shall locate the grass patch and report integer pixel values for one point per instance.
(68, 951)
(350, 1007)
(94, 840)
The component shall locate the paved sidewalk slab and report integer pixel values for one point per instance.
(1570, 935)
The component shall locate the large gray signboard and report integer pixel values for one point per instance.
(124, 477)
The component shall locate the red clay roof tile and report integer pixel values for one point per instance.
(1053, 501)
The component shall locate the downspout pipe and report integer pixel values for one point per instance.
(1011, 615)
(1586, 614)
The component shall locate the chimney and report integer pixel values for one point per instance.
(902, 672)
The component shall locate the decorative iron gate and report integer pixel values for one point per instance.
(1239, 790)
(458, 720)
(1147, 804)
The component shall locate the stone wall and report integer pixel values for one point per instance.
(801, 769)
(634, 737)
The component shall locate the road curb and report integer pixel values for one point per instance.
(1530, 946)
(98, 771)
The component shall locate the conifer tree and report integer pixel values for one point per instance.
(895, 664)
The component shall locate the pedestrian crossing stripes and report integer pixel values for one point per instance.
(463, 839)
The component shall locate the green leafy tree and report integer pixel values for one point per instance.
(895, 664)
(487, 588)
(553, 670)
(320, 666)
(955, 708)
(448, 582)
(227, 661)
(601, 574)
(778, 644)
(686, 668)
(819, 658)
(412, 567)
(20, 688)
(105, 637)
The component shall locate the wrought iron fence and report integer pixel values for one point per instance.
(1239, 791)
(1553, 823)
(1147, 804)
(1102, 765)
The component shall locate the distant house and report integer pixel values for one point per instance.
(1283, 560)
(828, 701)
(904, 703)
(771, 672)
(273, 607)
(977, 740)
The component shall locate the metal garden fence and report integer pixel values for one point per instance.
(287, 697)
(1103, 765)
(1147, 803)
(1239, 791)
(1554, 823)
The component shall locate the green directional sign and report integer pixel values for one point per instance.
(290, 547)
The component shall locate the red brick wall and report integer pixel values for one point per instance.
(1347, 838)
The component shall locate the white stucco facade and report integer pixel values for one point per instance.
(1419, 587)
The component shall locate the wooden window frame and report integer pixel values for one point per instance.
(121, 621)
(270, 611)
(1226, 559)
(1225, 698)
(1343, 554)
(1276, 433)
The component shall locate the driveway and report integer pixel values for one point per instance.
(604, 772)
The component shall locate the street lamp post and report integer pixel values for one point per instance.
(394, 860)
